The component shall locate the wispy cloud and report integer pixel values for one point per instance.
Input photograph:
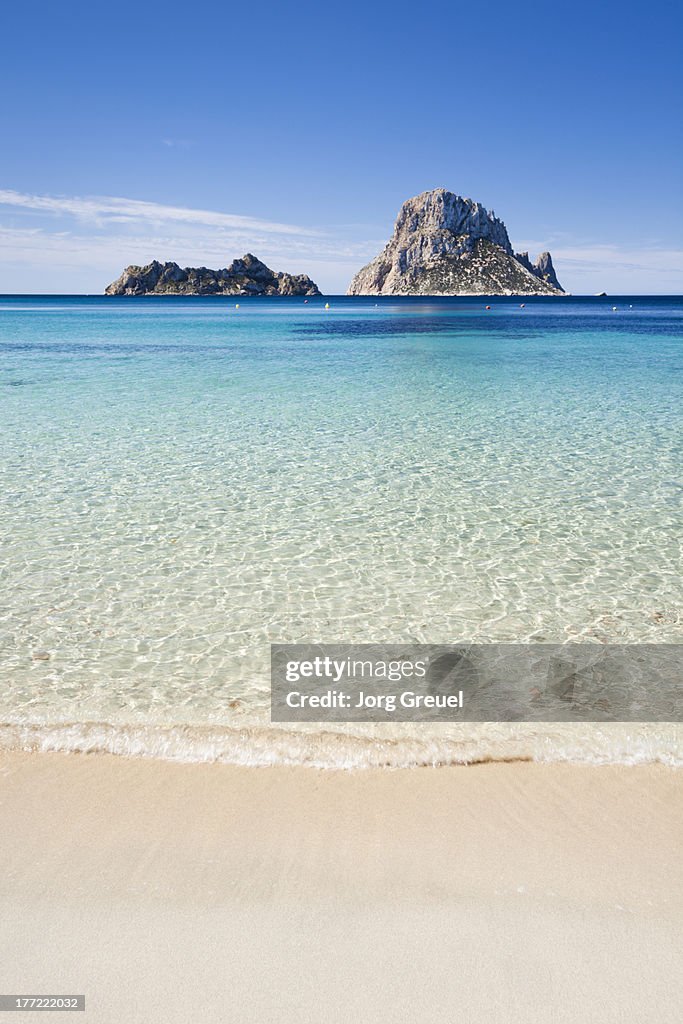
(38, 259)
(100, 210)
(214, 248)
(589, 256)
(74, 243)
(601, 266)
(648, 259)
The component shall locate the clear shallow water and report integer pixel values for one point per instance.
(184, 482)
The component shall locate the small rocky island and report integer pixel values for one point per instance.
(446, 245)
(248, 276)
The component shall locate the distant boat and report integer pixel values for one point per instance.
(600, 295)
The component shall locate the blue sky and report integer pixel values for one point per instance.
(198, 132)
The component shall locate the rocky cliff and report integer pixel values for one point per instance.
(248, 276)
(542, 268)
(446, 245)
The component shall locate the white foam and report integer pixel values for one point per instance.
(278, 745)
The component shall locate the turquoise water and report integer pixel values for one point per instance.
(184, 482)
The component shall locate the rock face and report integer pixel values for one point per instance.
(446, 245)
(543, 268)
(248, 276)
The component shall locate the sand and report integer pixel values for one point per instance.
(174, 894)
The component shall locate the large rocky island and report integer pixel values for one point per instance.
(446, 245)
(248, 276)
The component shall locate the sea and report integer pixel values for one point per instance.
(184, 481)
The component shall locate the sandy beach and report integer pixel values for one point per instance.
(209, 893)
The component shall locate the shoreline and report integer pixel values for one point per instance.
(251, 742)
(508, 893)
